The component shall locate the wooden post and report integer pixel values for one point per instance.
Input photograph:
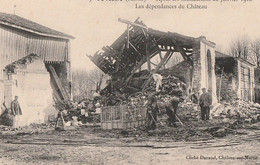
(111, 112)
(138, 66)
(160, 54)
(220, 83)
(56, 79)
(148, 57)
(127, 44)
(169, 53)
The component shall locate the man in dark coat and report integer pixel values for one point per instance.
(16, 111)
(205, 101)
(152, 111)
(171, 108)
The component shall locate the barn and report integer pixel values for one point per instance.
(35, 65)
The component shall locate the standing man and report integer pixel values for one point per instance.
(152, 111)
(205, 101)
(16, 111)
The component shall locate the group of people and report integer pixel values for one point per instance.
(171, 108)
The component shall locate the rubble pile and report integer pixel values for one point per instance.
(78, 113)
(30, 129)
(189, 111)
(237, 109)
(171, 86)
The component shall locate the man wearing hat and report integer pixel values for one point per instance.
(205, 101)
(16, 112)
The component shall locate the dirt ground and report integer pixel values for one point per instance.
(187, 144)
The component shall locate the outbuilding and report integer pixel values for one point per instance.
(34, 65)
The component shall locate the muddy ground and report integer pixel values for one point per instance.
(197, 142)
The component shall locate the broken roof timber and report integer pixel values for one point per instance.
(132, 23)
(144, 43)
(220, 55)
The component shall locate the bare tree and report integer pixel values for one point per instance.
(85, 83)
(239, 47)
(255, 52)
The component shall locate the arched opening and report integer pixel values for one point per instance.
(209, 71)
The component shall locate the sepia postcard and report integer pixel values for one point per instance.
(117, 82)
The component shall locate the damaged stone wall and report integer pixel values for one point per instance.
(32, 85)
(232, 78)
(228, 88)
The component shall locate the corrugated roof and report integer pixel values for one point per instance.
(22, 23)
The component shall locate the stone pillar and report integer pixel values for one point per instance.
(203, 77)
(196, 67)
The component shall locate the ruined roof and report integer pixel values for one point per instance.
(117, 59)
(225, 56)
(33, 27)
(222, 55)
(21, 63)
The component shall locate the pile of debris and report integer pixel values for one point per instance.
(189, 111)
(131, 95)
(237, 109)
(79, 113)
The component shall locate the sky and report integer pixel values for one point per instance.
(95, 24)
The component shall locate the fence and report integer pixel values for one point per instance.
(122, 117)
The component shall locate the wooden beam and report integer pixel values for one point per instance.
(138, 66)
(135, 49)
(144, 33)
(132, 23)
(63, 92)
(180, 49)
(127, 44)
(148, 58)
(168, 50)
(153, 63)
(146, 83)
(160, 54)
(168, 58)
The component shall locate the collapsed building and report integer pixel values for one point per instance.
(34, 65)
(235, 77)
(139, 44)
